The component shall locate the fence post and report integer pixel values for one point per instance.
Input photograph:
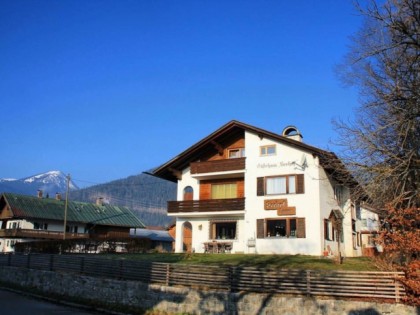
(52, 263)
(82, 265)
(168, 274)
(121, 270)
(397, 290)
(308, 282)
(230, 286)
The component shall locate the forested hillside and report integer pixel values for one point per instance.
(146, 195)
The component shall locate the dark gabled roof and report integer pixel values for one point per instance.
(29, 207)
(328, 160)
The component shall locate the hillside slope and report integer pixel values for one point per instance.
(146, 195)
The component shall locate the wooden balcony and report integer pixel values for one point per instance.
(210, 205)
(55, 235)
(40, 234)
(218, 166)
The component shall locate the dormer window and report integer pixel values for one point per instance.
(236, 153)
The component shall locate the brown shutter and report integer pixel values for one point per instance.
(300, 228)
(260, 228)
(300, 184)
(260, 186)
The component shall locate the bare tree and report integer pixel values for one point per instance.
(382, 142)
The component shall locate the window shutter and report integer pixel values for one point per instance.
(300, 184)
(300, 228)
(260, 186)
(260, 228)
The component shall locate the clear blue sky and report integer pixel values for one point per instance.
(107, 89)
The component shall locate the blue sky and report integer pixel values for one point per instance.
(107, 89)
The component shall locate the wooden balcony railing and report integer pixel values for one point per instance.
(218, 166)
(40, 234)
(210, 205)
(55, 235)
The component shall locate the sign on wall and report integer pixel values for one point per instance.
(280, 205)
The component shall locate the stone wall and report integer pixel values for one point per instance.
(132, 294)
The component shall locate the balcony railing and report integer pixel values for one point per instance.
(41, 234)
(210, 205)
(56, 235)
(218, 166)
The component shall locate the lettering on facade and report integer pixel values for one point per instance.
(276, 164)
(286, 211)
(275, 204)
(280, 205)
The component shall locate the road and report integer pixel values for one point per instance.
(12, 303)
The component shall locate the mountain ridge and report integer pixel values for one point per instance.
(145, 195)
(50, 183)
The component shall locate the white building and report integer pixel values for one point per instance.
(247, 190)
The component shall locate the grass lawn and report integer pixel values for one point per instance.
(261, 261)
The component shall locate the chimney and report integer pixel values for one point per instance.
(293, 133)
(57, 196)
(99, 201)
(39, 193)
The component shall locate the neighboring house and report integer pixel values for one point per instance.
(161, 240)
(247, 190)
(369, 224)
(26, 218)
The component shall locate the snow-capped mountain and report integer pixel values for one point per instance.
(50, 183)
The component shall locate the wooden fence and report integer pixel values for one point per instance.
(353, 284)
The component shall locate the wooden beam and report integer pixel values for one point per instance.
(218, 147)
(176, 173)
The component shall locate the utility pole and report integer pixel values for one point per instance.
(65, 206)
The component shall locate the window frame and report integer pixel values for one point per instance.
(299, 231)
(265, 148)
(224, 184)
(287, 179)
(338, 194)
(288, 231)
(241, 153)
(213, 235)
(327, 230)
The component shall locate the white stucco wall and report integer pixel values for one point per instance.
(315, 204)
(286, 161)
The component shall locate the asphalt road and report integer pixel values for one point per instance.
(13, 303)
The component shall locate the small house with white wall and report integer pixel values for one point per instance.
(243, 189)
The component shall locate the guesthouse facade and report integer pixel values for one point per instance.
(243, 189)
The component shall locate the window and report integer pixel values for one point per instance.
(327, 229)
(223, 230)
(268, 150)
(188, 193)
(72, 228)
(281, 185)
(338, 194)
(224, 191)
(236, 153)
(285, 227)
(281, 228)
(40, 226)
(284, 184)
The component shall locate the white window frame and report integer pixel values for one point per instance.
(264, 150)
(240, 151)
